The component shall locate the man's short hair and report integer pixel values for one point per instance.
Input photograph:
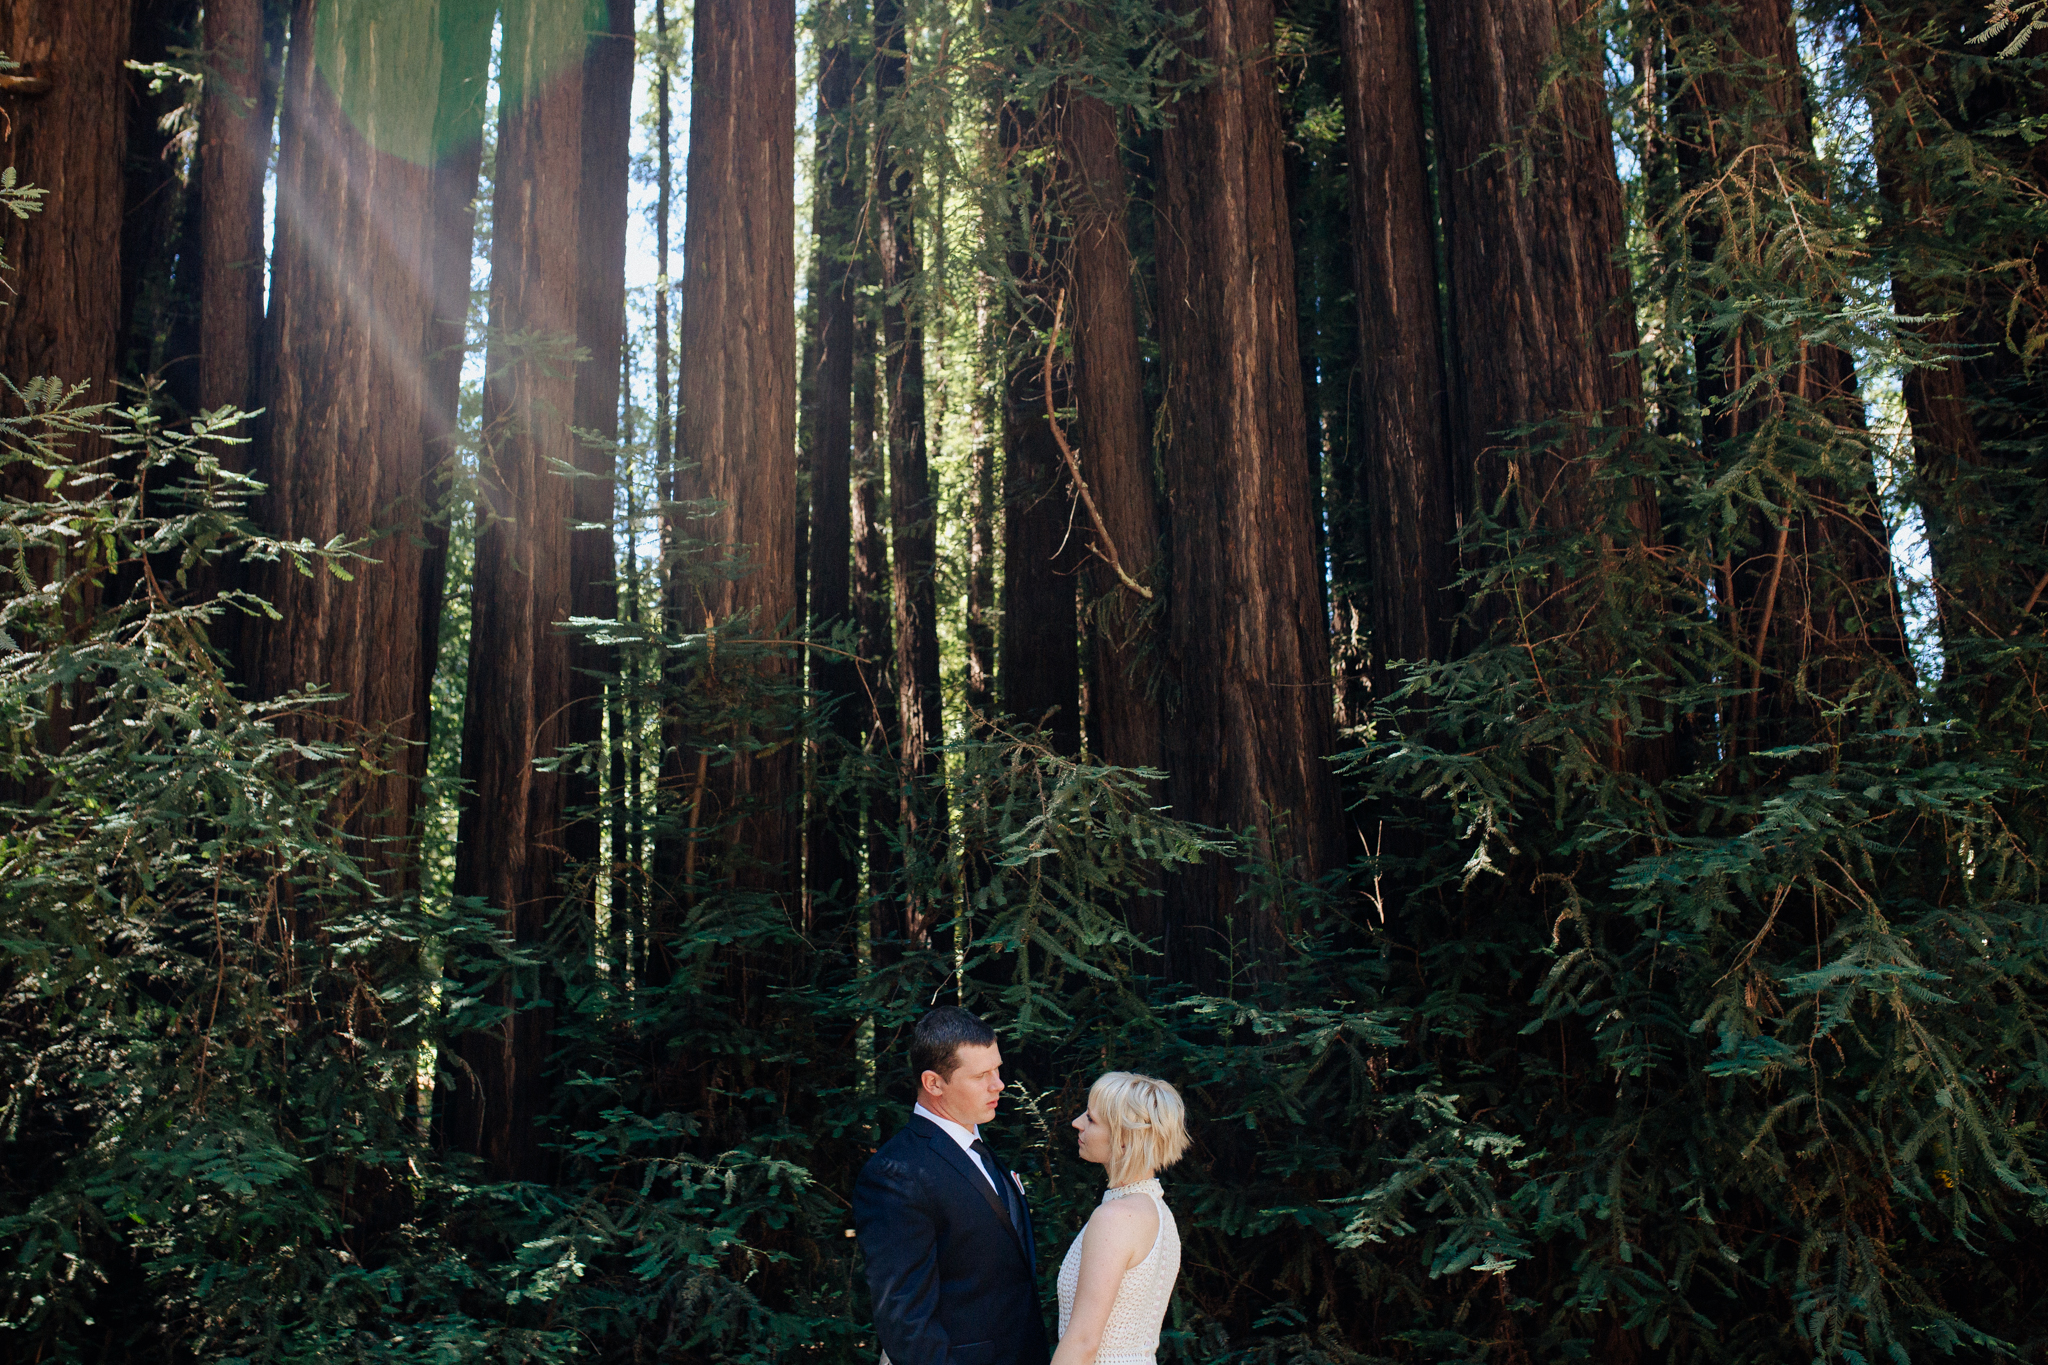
(936, 1041)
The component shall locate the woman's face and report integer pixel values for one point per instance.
(1094, 1142)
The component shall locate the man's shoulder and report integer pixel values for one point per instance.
(897, 1173)
(905, 1148)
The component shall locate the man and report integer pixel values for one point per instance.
(943, 1227)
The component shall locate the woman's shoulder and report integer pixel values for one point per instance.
(1132, 1220)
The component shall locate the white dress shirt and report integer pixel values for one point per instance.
(963, 1138)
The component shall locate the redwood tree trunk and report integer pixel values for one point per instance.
(912, 509)
(1247, 745)
(234, 157)
(339, 445)
(458, 150)
(1402, 451)
(1039, 669)
(981, 539)
(1538, 306)
(1113, 446)
(1974, 405)
(833, 866)
(657, 963)
(64, 131)
(737, 391)
(600, 329)
(510, 842)
(873, 613)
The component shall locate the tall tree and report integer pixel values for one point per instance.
(1114, 448)
(510, 846)
(873, 612)
(1974, 403)
(1409, 488)
(1248, 740)
(65, 131)
(340, 446)
(664, 192)
(245, 43)
(1544, 381)
(981, 531)
(833, 866)
(667, 854)
(1039, 668)
(913, 533)
(234, 158)
(458, 148)
(736, 439)
(600, 330)
(1539, 326)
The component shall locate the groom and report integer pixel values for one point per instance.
(942, 1225)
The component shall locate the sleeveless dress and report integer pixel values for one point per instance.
(1131, 1336)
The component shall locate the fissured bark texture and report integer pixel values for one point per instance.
(1248, 738)
(64, 131)
(511, 840)
(737, 391)
(1402, 450)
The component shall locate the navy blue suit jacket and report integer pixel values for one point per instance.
(954, 1282)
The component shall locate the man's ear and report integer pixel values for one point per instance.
(929, 1083)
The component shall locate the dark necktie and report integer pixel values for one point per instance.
(1001, 1179)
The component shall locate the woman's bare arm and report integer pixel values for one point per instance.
(1119, 1235)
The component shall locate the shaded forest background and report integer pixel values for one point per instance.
(1462, 578)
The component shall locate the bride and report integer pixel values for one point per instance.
(1118, 1275)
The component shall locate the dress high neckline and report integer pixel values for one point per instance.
(1149, 1185)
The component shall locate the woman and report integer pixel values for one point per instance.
(1118, 1275)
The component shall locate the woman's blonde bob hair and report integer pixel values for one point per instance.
(1147, 1123)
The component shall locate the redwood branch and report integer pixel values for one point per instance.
(1105, 548)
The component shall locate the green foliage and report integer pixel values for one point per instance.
(1689, 1007)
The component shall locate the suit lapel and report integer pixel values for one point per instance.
(950, 1153)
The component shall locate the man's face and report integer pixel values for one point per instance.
(968, 1097)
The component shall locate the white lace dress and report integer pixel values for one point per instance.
(1131, 1336)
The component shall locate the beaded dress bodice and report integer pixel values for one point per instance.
(1131, 1336)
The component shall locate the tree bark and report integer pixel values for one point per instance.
(601, 330)
(1538, 306)
(833, 865)
(234, 157)
(1973, 404)
(737, 394)
(1114, 447)
(510, 843)
(873, 613)
(1248, 742)
(1541, 331)
(458, 147)
(659, 900)
(342, 387)
(1403, 452)
(1039, 668)
(981, 534)
(64, 131)
(912, 509)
